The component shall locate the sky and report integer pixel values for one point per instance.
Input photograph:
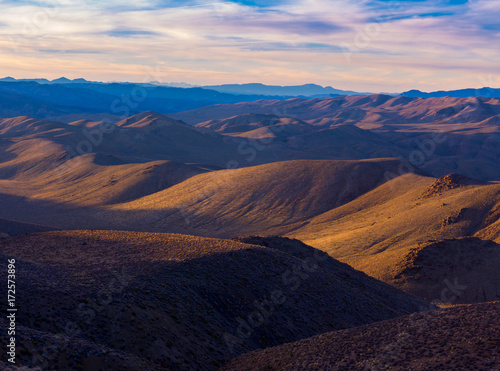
(362, 45)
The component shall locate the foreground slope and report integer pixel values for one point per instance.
(61, 352)
(185, 302)
(461, 270)
(461, 338)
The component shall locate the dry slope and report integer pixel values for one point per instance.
(461, 338)
(410, 232)
(185, 302)
(271, 199)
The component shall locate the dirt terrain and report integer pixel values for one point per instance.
(461, 338)
(358, 213)
(181, 302)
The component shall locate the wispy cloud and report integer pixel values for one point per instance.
(377, 45)
(129, 32)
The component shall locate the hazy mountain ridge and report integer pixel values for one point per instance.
(379, 111)
(306, 90)
(68, 97)
(480, 92)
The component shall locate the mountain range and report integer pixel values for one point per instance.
(58, 98)
(307, 90)
(44, 100)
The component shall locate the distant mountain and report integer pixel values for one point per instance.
(65, 80)
(174, 84)
(463, 93)
(307, 90)
(376, 111)
(13, 104)
(61, 80)
(121, 99)
(267, 91)
(80, 99)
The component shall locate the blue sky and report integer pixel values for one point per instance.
(364, 45)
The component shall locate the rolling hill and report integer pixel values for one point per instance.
(156, 174)
(272, 198)
(180, 302)
(251, 123)
(440, 135)
(295, 139)
(389, 230)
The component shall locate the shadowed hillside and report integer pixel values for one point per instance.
(461, 270)
(14, 228)
(460, 338)
(183, 302)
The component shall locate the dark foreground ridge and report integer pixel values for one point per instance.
(461, 338)
(180, 302)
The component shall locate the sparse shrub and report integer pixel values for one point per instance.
(175, 318)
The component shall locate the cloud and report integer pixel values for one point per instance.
(282, 46)
(129, 32)
(70, 51)
(391, 44)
